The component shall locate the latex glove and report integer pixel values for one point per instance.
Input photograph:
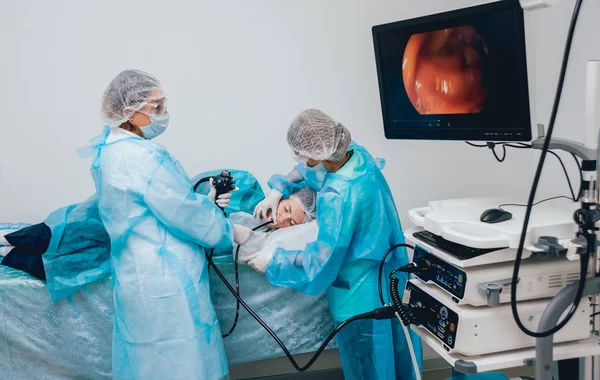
(223, 199)
(269, 203)
(241, 234)
(260, 261)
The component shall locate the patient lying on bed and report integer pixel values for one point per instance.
(294, 214)
(76, 251)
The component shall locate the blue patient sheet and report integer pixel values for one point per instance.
(71, 339)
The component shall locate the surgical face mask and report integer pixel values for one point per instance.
(304, 162)
(314, 177)
(158, 124)
(299, 159)
(316, 168)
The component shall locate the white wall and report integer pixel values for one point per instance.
(237, 73)
(551, 26)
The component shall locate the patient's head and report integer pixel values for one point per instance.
(297, 209)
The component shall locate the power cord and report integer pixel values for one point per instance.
(580, 176)
(585, 257)
(530, 203)
(492, 146)
(535, 204)
(387, 312)
(503, 154)
(476, 145)
(237, 282)
(406, 316)
(566, 174)
(382, 263)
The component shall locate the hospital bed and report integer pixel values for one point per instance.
(71, 339)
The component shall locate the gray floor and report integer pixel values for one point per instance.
(328, 368)
(447, 373)
(429, 375)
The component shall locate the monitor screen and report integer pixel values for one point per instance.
(459, 75)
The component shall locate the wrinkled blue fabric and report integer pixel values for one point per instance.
(13, 226)
(165, 323)
(358, 223)
(71, 339)
(314, 180)
(79, 251)
(43, 339)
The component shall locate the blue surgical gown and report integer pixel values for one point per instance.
(79, 249)
(358, 223)
(165, 324)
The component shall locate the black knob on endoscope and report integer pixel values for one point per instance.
(585, 217)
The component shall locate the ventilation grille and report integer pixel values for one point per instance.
(572, 277)
(556, 281)
(562, 280)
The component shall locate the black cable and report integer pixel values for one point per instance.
(520, 146)
(205, 179)
(575, 198)
(237, 290)
(535, 204)
(394, 272)
(566, 173)
(383, 312)
(511, 145)
(476, 145)
(528, 146)
(496, 154)
(381, 264)
(580, 177)
(536, 180)
(237, 282)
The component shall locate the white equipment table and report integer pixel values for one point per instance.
(508, 359)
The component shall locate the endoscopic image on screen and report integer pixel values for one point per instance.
(445, 71)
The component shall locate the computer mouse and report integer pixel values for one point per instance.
(495, 215)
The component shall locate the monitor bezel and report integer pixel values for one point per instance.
(457, 134)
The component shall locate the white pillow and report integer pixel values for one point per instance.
(292, 238)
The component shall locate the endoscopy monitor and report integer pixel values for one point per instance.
(459, 75)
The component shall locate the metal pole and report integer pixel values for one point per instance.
(556, 307)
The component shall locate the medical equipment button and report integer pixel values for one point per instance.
(443, 312)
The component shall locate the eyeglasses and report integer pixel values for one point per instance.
(299, 159)
(155, 107)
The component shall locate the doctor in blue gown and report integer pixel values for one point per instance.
(165, 324)
(358, 223)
